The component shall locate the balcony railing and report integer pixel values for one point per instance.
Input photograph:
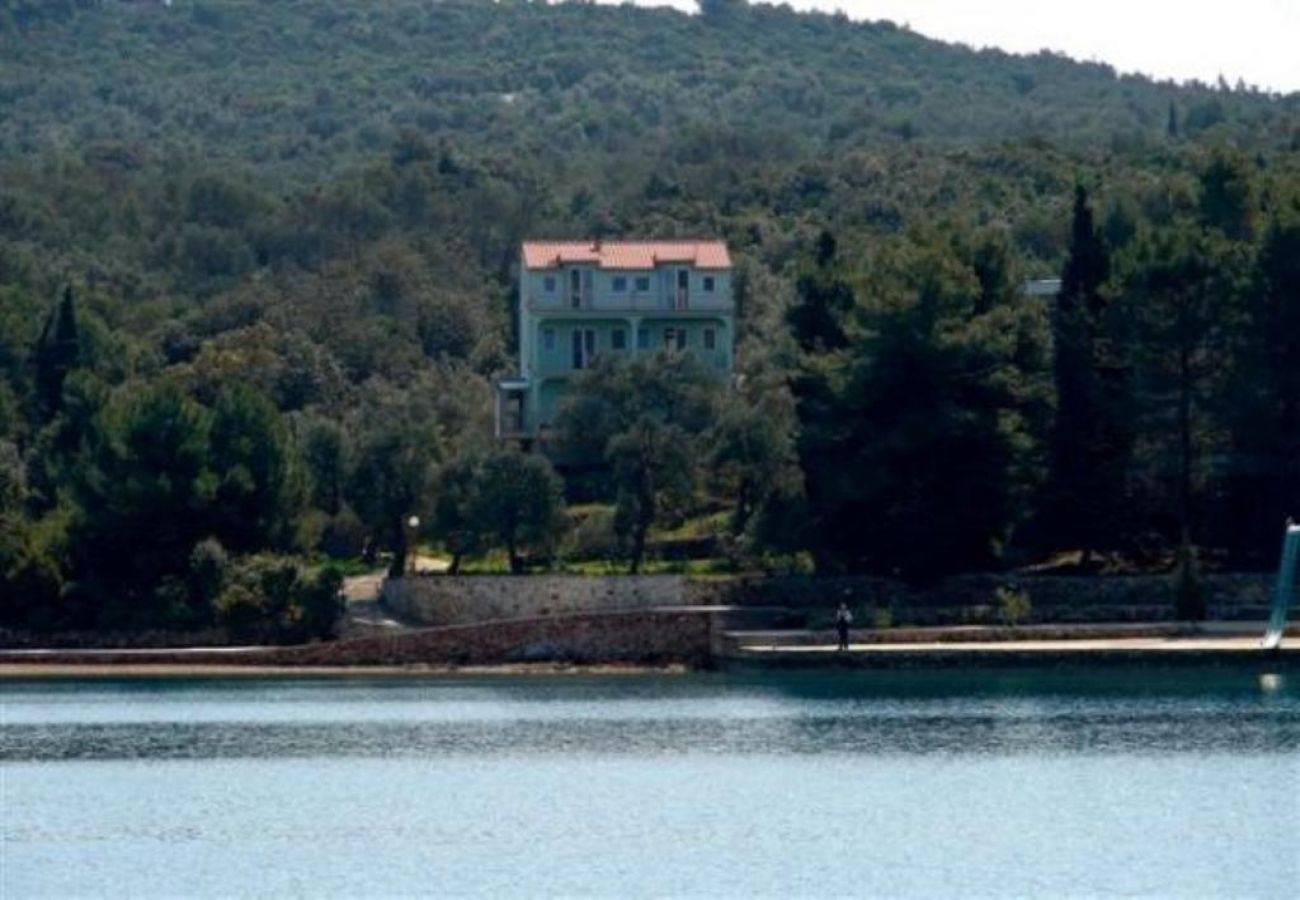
(681, 302)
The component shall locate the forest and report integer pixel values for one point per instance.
(258, 270)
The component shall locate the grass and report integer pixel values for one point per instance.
(498, 564)
(350, 568)
(709, 525)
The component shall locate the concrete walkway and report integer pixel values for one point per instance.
(1200, 650)
(1156, 644)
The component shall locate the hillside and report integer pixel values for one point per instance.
(295, 86)
(566, 119)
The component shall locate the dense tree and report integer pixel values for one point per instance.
(824, 299)
(1227, 196)
(259, 490)
(395, 474)
(144, 494)
(326, 454)
(916, 444)
(29, 574)
(285, 237)
(1278, 312)
(644, 420)
(752, 454)
(458, 510)
(1263, 412)
(1185, 289)
(519, 503)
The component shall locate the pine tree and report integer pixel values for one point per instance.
(916, 444)
(1184, 287)
(1278, 312)
(1228, 196)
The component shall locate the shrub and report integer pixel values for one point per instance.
(209, 566)
(173, 607)
(239, 611)
(320, 604)
(1013, 605)
(33, 563)
(30, 580)
(343, 537)
(276, 599)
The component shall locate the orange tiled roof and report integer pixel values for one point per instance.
(626, 254)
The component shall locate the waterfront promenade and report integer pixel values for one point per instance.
(675, 638)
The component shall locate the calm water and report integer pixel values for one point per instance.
(1044, 784)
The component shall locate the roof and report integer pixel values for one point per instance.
(626, 254)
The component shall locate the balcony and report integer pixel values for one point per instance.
(684, 303)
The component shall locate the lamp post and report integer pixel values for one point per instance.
(413, 524)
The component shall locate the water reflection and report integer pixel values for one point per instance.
(1050, 712)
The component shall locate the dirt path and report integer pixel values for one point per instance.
(365, 614)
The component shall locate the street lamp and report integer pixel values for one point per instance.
(414, 524)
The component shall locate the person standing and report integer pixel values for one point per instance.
(843, 619)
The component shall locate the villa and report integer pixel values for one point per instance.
(582, 299)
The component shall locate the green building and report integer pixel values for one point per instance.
(582, 299)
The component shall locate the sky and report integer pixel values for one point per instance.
(1257, 41)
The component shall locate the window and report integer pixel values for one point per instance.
(674, 338)
(575, 288)
(584, 347)
(548, 338)
(618, 339)
(548, 284)
(710, 339)
(643, 338)
(620, 284)
(643, 284)
(708, 284)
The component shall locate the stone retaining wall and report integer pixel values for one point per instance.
(967, 599)
(462, 599)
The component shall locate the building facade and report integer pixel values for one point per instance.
(579, 300)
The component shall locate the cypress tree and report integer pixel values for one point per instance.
(58, 352)
(1088, 447)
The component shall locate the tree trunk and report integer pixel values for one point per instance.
(744, 508)
(638, 546)
(398, 567)
(645, 516)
